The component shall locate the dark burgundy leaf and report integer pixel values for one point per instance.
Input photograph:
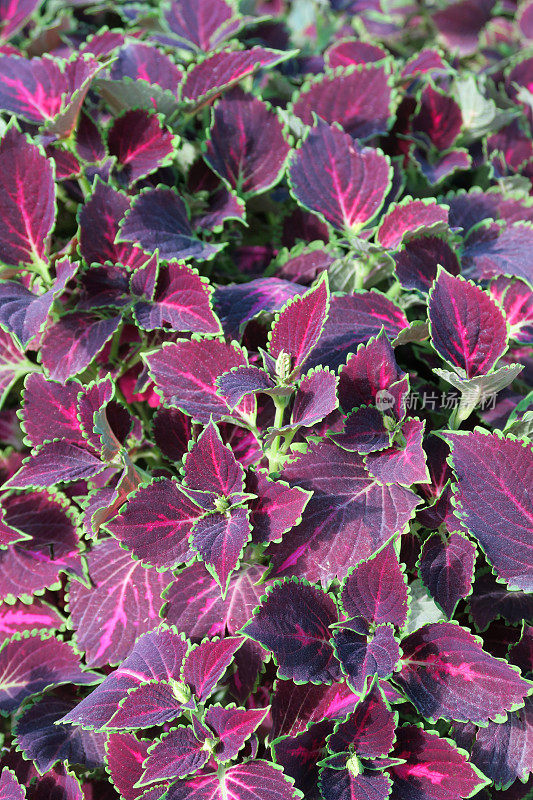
(358, 98)
(439, 118)
(41, 740)
(185, 373)
(371, 369)
(417, 261)
(57, 784)
(493, 472)
(219, 539)
(362, 657)
(13, 15)
(201, 25)
(237, 304)
(222, 207)
(490, 600)
(522, 652)
(125, 756)
(376, 590)
(246, 146)
(334, 177)
(31, 662)
(293, 621)
(349, 517)
(316, 397)
(28, 617)
(353, 51)
(364, 431)
(10, 788)
(177, 754)
(467, 328)
(172, 432)
(206, 664)
(156, 524)
(72, 343)
(343, 784)
(516, 299)
(278, 507)
(402, 464)
(243, 781)
(445, 673)
(210, 466)
(13, 363)
(299, 325)
(446, 567)
(353, 320)
(369, 729)
(460, 23)
(182, 302)
(150, 703)
(99, 225)
(242, 381)
(233, 726)
(158, 220)
(490, 251)
(123, 602)
(427, 60)
(141, 145)
(297, 706)
(298, 755)
(156, 655)
(27, 200)
(220, 71)
(436, 168)
(408, 217)
(139, 61)
(55, 462)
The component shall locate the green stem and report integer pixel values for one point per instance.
(280, 404)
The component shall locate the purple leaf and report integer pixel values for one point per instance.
(9, 535)
(445, 673)
(99, 225)
(206, 664)
(402, 464)
(221, 70)
(182, 302)
(27, 200)
(417, 261)
(335, 178)
(140, 144)
(353, 51)
(156, 655)
(293, 621)
(490, 251)
(32, 662)
(150, 703)
(298, 755)
(156, 524)
(353, 320)
(74, 341)
(467, 328)
(44, 742)
(364, 431)
(503, 751)
(55, 462)
(233, 727)
(57, 784)
(246, 146)
(362, 657)
(201, 25)
(10, 788)
(316, 397)
(123, 602)
(13, 17)
(447, 567)
(242, 381)
(12, 363)
(371, 369)
(341, 784)
(349, 517)
(177, 754)
(459, 24)
(171, 430)
(376, 590)
(139, 61)
(358, 98)
(437, 168)
(299, 325)
(219, 539)
(28, 617)
(222, 206)
(439, 118)
(158, 220)
(194, 602)
(491, 600)
(210, 466)
(277, 509)
(495, 470)
(408, 217)
(242, 781)
(517, 302)
(22, 312)
(369, 729)
(433, 770)
(295, 707)
(125, 756)
(237, 304)
(185, 373)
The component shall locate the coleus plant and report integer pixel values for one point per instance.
(265, 407)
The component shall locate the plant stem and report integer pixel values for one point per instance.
(280, 404)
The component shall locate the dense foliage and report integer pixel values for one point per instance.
(265, 310)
